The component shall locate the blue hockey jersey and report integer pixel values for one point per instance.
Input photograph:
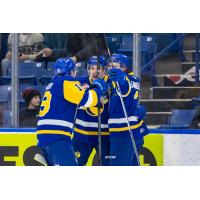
(117, 121)
(86, 125)
(58, 108)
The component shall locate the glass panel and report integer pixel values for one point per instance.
(168, 84)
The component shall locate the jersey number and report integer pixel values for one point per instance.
(79, 87)
(136, 95)
(45, 106)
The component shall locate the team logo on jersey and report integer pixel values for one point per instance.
(118, 89)
(93, 111)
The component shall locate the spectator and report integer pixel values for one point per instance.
(84, 45)
(79, 46)
(55, 42)
(29, 45)
(28, 116)
(3, 45)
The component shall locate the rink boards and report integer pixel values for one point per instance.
(161, 147)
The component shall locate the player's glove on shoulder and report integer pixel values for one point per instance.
(117, 75)
(101, 86)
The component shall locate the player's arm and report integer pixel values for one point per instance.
(81, 80)
(117, 75)
(74, 93)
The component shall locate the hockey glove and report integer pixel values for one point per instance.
(117, 75)
(100, 85)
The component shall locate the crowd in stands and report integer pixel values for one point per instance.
(44, 48)
(29, 46)
(51, 46)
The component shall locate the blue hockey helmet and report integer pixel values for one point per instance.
(102, 61)
(93, 61)
(64, 66)
(120, 58)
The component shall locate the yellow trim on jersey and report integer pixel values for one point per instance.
(95, 98)
(54, 132)
(89, 132)
(73, 91)
(93, 111)
(105, 78)
(125, 128)
(113, 84)
(136, 95)
(129, 88)
(90, 79)
(131, 73)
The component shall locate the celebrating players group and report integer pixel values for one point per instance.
(100, 111)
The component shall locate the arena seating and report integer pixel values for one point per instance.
(45, 80)
(50, 70)
(176, 80)
(160, 100)
(181, 117)
(31, 80)
(5, 91)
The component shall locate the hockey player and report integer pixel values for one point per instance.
(121, 150)
(57, 112)
(86, 126)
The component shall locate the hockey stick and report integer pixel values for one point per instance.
(128, 124)
(125, 113)
(40, 158)
(74, 121)
(99, 131)
(99, 136)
